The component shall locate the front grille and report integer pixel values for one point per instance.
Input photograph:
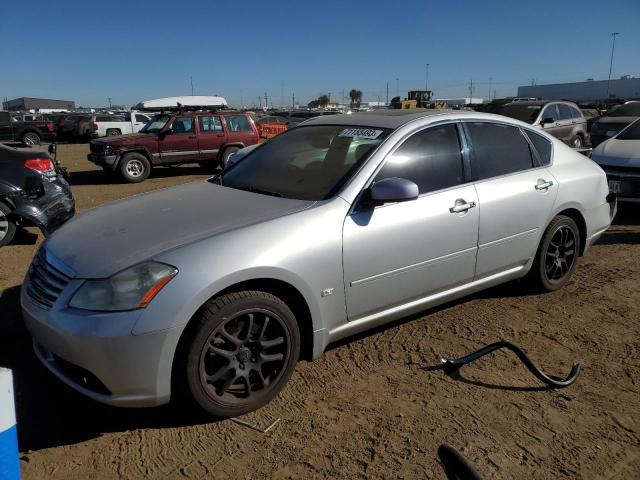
(45, 282)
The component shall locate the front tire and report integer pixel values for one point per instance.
(557, 255)
(7, 227)
(241, 353)
(134, 168)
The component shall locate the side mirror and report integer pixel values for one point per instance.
(394, 190)
(546, 120)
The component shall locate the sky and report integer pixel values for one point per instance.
(138, 50)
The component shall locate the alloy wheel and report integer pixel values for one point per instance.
(560, 254)
(244, 356)
(4, 226)
(31, 139)
(135, 168)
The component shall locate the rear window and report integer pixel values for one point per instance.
(524, 113)
(238, 123)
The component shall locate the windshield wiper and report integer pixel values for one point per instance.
(252, 189)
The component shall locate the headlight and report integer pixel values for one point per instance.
(132, 288)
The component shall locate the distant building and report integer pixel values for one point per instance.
(41, 105)
(624, 87)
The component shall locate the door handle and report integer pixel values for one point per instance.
(543, 185)
(462, 206)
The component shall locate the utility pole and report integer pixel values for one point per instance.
(426, 81)
(293, 101)
(109, 99)
(387, 93)
(191, 80)
(613, 46)
(266, 100)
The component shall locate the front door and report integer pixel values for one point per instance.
(515, 194)
(402, 252)
(211, 137)
(180, 144)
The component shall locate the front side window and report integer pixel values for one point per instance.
(182, 125)
(431, 158)
(306, 163)
(577, 114)
(141, 118)
(542, 146)
(497, 150)
(550, 113)
(210, 124)
(238, 123)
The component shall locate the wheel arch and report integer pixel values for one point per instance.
(140, 150)
(575, 214)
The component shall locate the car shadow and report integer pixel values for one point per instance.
(24, 237)
(50, 414)
(628, 214)
(99, 177)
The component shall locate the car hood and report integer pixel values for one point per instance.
(124, 139)
(107, 239)
(618, 153)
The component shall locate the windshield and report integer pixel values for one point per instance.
(306, 163)
(524, 113)
(632, 132)
(626, 110)
(156, 124)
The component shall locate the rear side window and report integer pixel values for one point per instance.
(431, 159)
(497, 150)
(576, 113)
(565, 112)
(542, 146)
(238, 123)
(210, 124)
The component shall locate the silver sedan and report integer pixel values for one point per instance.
(215, 289)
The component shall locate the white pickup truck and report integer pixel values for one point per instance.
(112, 125)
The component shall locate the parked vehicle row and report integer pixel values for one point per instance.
(33, 191)
(27, 132)
(203, 137)
(331, 228)
(615, 119)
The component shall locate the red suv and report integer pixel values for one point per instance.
(207, 138)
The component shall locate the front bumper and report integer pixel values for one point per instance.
(49, 211)
(108, 161)
(97, 354)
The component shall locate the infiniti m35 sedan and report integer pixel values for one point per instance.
(213, 290)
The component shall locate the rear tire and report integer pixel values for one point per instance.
(31, 138)
(225, 156)
(7, 226)
(240, 353)
(113, 132)
(577, 142)
(557, 255)
(134, 167)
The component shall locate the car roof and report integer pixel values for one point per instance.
(378, 118)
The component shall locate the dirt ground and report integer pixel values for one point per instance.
(373, 407)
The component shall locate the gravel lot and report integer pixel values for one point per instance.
(371, 408)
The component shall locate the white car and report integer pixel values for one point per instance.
(619, 157)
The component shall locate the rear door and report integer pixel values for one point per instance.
(211, 137)
(181, 145)
(515, 192)
(240, 130)
(567, 122)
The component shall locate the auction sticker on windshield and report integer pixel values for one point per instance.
(360, 133)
